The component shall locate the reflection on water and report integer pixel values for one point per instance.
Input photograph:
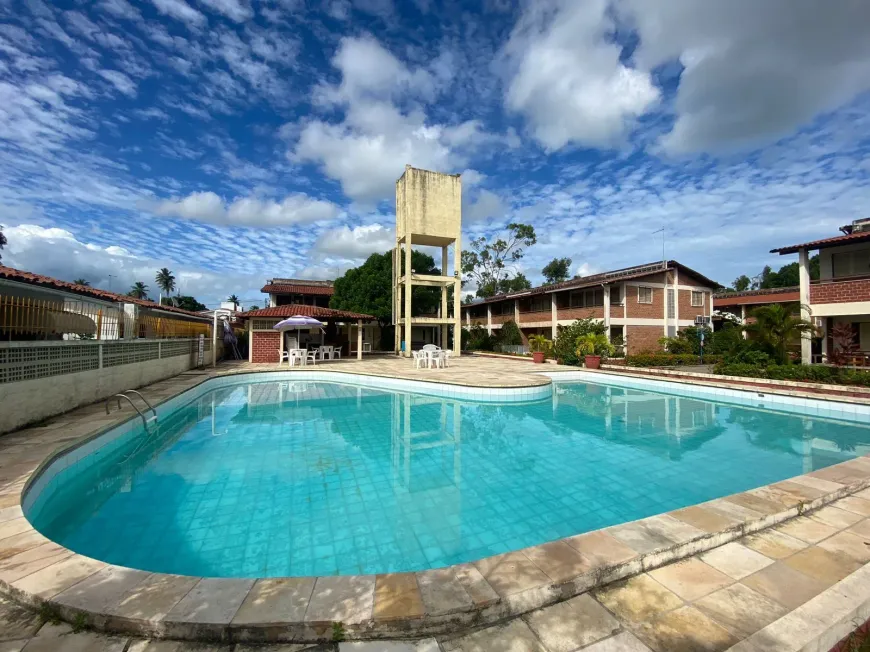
(302, 478)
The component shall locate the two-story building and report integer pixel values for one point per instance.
(637, 304)
(300, 292)
(842, 293)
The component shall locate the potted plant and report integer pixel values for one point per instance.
(539, 345)
(592, 347)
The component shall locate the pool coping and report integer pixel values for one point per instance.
(423, 603)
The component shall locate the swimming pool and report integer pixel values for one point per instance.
(258, 477)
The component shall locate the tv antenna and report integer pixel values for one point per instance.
(664, 260)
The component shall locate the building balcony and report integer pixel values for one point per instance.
(852, 289)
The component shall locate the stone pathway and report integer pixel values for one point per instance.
(805, 582)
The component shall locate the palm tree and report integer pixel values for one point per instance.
(138, 291)
(81, 281)
(777, 326)
(233, 299)
(165, 281)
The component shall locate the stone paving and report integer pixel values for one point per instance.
(806, 581)
(790, 587)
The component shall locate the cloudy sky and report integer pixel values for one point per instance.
(234, 140)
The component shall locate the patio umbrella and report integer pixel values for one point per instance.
(298, 322)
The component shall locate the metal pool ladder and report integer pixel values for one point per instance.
(123, 395)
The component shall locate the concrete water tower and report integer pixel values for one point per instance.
(428, 213)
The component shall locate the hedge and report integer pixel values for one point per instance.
(669, 359)
(798, 373)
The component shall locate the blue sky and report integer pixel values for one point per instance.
(235, 140)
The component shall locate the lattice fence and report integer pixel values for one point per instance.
(29, 361)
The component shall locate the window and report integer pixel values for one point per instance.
(586, 298)
(539, 304)
(851, 263)
(616, 295)
(697, 299)
(644, 295)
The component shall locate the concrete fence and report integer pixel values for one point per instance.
(43, 379)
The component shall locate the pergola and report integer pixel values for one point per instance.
(328, 315)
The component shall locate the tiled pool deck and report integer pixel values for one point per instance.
(782, 567)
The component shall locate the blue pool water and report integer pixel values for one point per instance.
(274, 479)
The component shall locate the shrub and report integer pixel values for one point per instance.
(477, 338)
(509, 334)
(669, 359)
(565, 345)
(797, 373)
(594, 344)
(540, 344)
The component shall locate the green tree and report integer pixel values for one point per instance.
(741, 283)
(368, 288)
(184, 302)
(469, 298)
(165, 280)
(489, 265)
(254, 307)
(138, 291)
(233, 299)
(557, 270)
(509, 334)
(776, 326)
(3, 240)
(786, 276)
(81, 281)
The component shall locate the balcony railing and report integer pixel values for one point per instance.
(848, 289)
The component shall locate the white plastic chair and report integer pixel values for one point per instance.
(419, 358)
(336, 353)
(285, 355)
(311, 356)
(445, 357)
(297, 356)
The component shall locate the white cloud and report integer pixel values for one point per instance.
(60, 254)
(569, 81)
(182, 11)
(120, 81)
(233, 9)
(754, 71)
(354, 244)
(247, 211)
(381, 130)
(487, 204)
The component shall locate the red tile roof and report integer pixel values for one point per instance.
(861, 236)
(292, 310)
(280, 288)
(597, 279)
(769, 295)
(30, 278)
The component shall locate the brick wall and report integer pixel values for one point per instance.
(643, 338)
(687, 310)
(840, 291)
(500, 319)
(582, 313)
(265, 346)
(654, 310)
(537, 316)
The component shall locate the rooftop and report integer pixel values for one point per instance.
(291, 310)
(597, 279)
(297, 286)
(21, 276)
(848, 238)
